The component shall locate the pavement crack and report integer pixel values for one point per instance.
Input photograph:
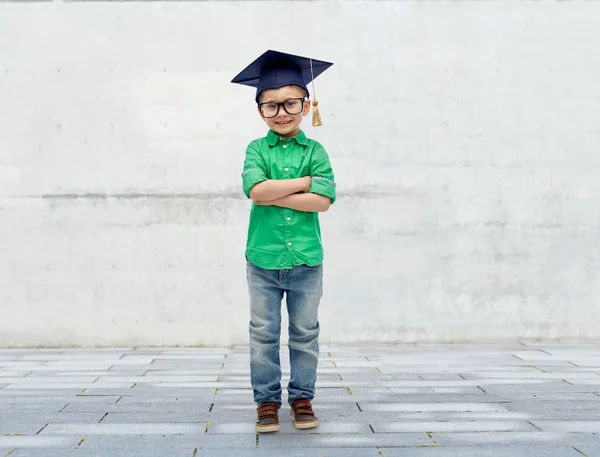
(212, 405)
(564, 380)
(532, 424)
(81, 393)
(538, 368)
(218, 377)
(482, 389)
(517, 357)
(359, 408)
(134, 384)
(581, 452)
(95, 380)
(380, 453)
(367, 359)
(103, 417)
(195, 452)
(506, 407)
(119, 399)
(41, 429)
(257, 439)
(31, 372)
(109, 368)
(340, 376)
(81, 442)
(430, 435)
(371, 427)
(334, 364)
(10, 452)
(61, 409)
(349, 390)
(574, 364)
(207, 427)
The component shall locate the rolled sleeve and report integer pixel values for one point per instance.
(254, 168)
(323, 181)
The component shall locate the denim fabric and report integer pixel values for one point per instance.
(303, 288)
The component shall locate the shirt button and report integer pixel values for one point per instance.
(289, 244)
(284, 146)
(289, 218)
(287, 169)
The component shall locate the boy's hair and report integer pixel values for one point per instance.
(307, 95)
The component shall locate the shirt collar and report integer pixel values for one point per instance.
(273, 138)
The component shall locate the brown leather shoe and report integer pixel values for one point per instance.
(303, 415)
(268, 419)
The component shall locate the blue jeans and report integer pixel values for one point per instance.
(303, 287)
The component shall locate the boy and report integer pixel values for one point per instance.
(290, 180)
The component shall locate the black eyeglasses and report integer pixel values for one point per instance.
(291, 106)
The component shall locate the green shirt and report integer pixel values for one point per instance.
(280, 237)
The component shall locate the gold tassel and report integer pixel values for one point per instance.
(316, 120)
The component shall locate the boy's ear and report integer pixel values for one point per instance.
(306, 109)
(261, 114)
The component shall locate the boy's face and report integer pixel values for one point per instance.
(284, 124)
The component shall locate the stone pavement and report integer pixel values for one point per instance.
(517, 400)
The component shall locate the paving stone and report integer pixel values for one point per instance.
(168, 442)
(479, 451)
(154, 379)
(119, 429)
(12, 374)
(550, 405)
(511, 388)
(297, 452)
(455, 426)
(98, 373)
(592, 426)
(26, 392)
(173, 399)
(147, 408)
(45, 418)
(20, 428)
(157, 417)
(416, 407)
(343, 440)
(129, 452)
(515, 438)
(145, 391)
(39, 441)
(60, 386)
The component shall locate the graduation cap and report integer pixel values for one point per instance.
(275, 69)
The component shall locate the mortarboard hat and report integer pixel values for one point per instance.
(274, 69)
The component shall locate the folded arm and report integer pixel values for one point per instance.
(307, 202)
(274, 189)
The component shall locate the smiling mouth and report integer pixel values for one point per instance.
(283, 122)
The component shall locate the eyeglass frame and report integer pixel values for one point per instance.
(281, 104)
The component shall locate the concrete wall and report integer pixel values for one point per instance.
(464, 136)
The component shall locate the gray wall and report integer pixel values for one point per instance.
(464, 137)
